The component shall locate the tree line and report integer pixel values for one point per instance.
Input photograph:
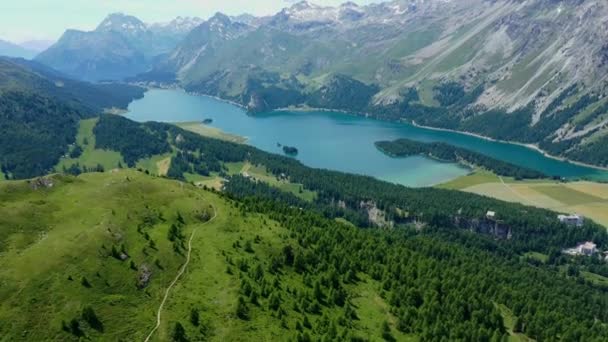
(450, 153)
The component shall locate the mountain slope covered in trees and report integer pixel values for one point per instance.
(260, 271)
(537, 66)
(40, 110)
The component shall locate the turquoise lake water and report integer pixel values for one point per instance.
(343, 142)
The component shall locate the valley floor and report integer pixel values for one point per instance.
(585, 198)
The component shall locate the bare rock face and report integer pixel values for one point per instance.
(143, 278)
(256, 103)
(42, 183)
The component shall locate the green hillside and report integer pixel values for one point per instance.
(40, 111)
(256, 272)
(282, 252)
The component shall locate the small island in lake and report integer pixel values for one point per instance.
(207, 121)
(290, 151)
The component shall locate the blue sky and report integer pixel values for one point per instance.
(22, 20)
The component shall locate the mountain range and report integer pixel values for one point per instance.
(120, 46)
(531, 72)
(9, 49)
(116, 230)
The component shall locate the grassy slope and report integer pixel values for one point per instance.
(65, 241)
(261, 174)
(91, 156)
(211, 132)
(156, 165)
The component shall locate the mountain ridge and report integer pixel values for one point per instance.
(121, 46)
(532, 64)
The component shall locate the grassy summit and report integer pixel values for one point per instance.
(64, 256)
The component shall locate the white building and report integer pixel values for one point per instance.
(572, 220)
(588, 248)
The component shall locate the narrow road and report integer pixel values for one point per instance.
(181, 272)
(526, 200)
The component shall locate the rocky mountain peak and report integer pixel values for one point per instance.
(302, 5)
(123, 23)
(178, 25)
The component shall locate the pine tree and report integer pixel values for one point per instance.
(386, 332)
(275, 301)
(75, 328)
(89, 316)
(85, 282)
(179, 333)
(318, 292)
(242, 311)
(194, 317)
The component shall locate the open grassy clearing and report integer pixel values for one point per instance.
(260, 173)
(157, 165)
(566, 195)
(374, 311)
(509, 319)
(595, 278)
(211, 132)
(585, 198)
(61, 260)
(538, 256)
(594, 189)
(476, 177)
(427, 94)
(90, 155)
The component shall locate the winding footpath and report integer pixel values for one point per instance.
(181, 272)
(526, 200)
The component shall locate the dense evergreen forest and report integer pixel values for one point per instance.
(343, 195)
(133, 141)
(440, 285)
(30, 76)
(35, 132)
(449, 153)
(39, 114)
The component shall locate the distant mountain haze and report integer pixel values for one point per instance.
(13, 50)
(121, 46)
(37, 45)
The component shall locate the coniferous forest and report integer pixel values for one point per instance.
(449, 153)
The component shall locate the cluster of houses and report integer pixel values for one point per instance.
(587, 248)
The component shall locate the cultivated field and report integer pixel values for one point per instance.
(586, 198)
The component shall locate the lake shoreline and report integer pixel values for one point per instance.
(465, 165)
(368, 115)
(476, 135)
(529, 146)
